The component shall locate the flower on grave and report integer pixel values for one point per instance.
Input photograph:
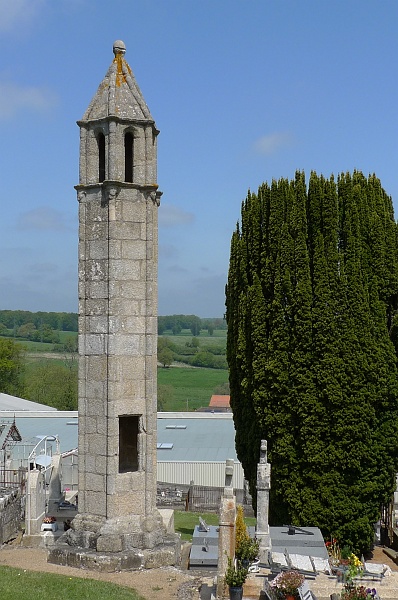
(358, 593)
(288, 582)
(49, 520)
(355, 567)
(333, 549)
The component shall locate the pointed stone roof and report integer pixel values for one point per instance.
(118, 94)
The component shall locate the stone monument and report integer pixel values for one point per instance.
(226, 536)
(118, 249)
(263, 488)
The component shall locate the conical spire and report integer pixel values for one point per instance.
(118, 95)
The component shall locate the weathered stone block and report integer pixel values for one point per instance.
(94, 307)
(131, 561)
(109, 543)
(124, 344)
(94, 344)
(97, 249)
(159, 557)
(98, 324)
(87, 522)
(134, 211)
(96, 290)
(95, 503)
(134, 250)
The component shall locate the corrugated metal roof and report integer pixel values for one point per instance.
(206, 437)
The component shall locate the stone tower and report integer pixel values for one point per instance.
(118, 246)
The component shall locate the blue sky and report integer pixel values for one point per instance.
(243, 91)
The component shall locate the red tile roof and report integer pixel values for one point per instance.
(219, 401)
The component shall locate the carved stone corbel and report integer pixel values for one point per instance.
(153, 195)
(81, 194)
(109, 193)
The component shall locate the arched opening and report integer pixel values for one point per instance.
(101, 157)
(128, 157)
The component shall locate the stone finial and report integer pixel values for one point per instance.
(229, 472)
(263, 451)
(119, 47)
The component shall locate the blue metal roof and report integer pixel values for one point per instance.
(195, 436)
(205, 437)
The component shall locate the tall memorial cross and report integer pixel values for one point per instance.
(263, 488)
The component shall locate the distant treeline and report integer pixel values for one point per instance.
(176, 323)
(62, 321)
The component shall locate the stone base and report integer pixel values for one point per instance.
(111, 562)
(123, 543)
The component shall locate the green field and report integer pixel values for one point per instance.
(192, 387)
(182, 388)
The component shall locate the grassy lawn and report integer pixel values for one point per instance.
(192, 387)
(185, 522)
(30, 585)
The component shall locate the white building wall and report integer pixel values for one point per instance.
(210, 474)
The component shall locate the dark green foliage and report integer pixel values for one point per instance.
(11, 367)
(165, 357)
(53, 383)
(312, 301)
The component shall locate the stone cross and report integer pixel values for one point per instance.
(263, 487)
(226, 536)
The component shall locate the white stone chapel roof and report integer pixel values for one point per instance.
(118, 94)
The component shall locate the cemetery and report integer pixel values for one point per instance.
(109, 517)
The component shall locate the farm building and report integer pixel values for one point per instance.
(190, 446)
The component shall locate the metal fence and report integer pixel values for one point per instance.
(13, 478)
(196, 498)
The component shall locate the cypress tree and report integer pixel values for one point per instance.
(312, 302)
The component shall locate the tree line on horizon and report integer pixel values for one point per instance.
(12, 320)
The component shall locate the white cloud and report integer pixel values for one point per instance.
(271, 143)
(15, 98)
(170, 216)
(43, 218)
(15, 12)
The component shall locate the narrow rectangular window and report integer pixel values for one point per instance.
(101, 157)
(129, 427)
(128, 157)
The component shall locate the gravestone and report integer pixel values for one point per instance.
(263, 488)
(226, 538)
(118, 525)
